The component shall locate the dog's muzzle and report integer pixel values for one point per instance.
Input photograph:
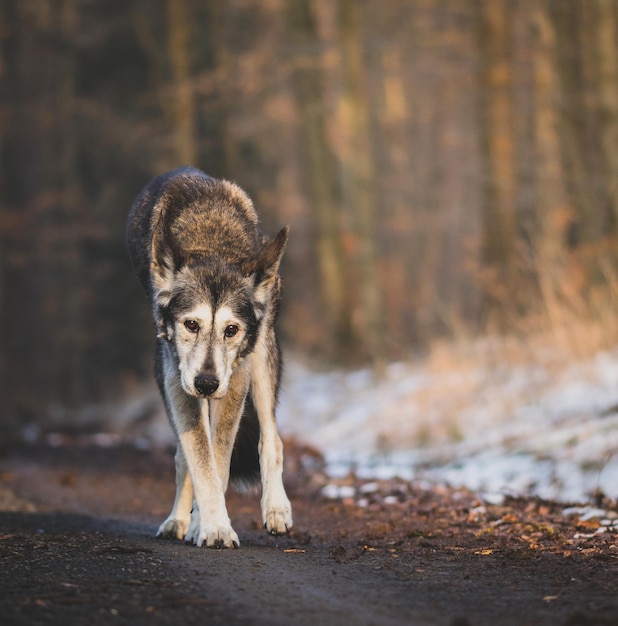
(206, 384)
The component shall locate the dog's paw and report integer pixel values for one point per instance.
(278, 518)
(172, 528)
(214, 537)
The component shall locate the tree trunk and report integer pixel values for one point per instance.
(500, 217)
(553, 212)
(181, 98)
(223, 67)
(3, 234)
(570, 24)
(73, 379)
(310, 98)
(608, 94)
(358, 184)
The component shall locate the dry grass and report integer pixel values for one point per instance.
(566, 307)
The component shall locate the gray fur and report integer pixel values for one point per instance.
(213, 283)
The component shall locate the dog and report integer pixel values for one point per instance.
(213, 281)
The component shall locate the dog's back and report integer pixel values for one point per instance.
(189, 215)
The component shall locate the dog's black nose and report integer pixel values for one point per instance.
(206, 384)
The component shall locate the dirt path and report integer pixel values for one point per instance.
(77, 547)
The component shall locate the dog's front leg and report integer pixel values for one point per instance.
(225, 416)
(210, 523)
(275, 505)
(177, 523)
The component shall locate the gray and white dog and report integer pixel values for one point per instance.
(213, 282)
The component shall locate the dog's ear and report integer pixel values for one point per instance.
(163, 267)
(265, 266)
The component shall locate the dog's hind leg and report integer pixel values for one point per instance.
(275, 505)
(177, 523)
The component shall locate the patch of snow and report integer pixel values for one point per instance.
(530, 429)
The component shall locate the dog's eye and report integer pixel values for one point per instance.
(192, 326)
(231, 330)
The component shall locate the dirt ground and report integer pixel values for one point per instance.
(77, 546)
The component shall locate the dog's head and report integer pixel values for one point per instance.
(211, 314)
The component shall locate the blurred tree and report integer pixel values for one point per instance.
(62, 244)
(179, 97)
(500, 228)
(333, 274)
(359, 198)
(223, 66)
(413, 146)
(571, 45)
(607, 52)
(554, 213)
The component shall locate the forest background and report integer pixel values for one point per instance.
(449, 170)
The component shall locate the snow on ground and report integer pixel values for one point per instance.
(541, 427)
(488, 417)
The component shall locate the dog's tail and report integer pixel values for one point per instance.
(245, 464)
